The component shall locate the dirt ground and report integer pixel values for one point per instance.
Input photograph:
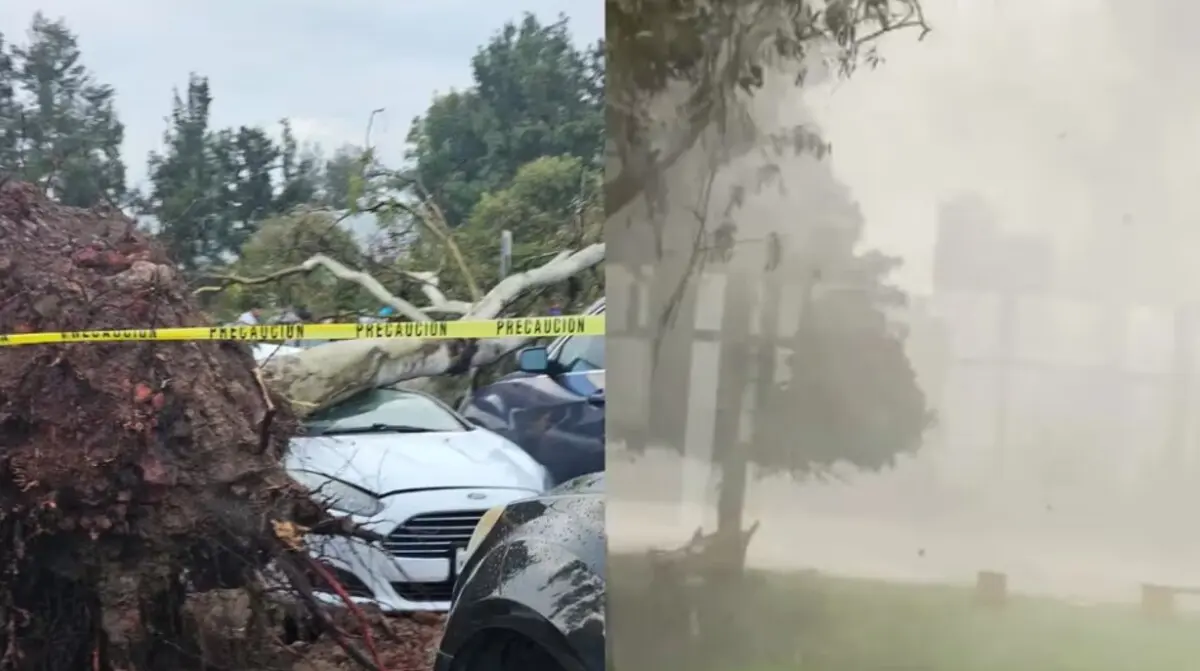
(407, 643)
(403, 643)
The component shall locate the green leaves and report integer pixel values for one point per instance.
(520, 150)
(188, 195)
(339, 189)
(535, 94)
(286, 241)
(299, 171)
(553, 203)
(356, 178)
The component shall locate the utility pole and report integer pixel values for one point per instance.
(506, 244)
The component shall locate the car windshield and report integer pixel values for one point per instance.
(383, 410)
(582, 353)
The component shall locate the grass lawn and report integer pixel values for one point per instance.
(807, 622)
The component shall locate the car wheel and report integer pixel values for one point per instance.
(508, 652)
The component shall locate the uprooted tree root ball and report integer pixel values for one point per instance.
(131, 473)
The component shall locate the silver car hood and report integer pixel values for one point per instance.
(383, 463)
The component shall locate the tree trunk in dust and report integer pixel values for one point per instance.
(731, 506)
(725, 558)
(730, 449)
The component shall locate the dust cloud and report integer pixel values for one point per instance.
(1033, 165)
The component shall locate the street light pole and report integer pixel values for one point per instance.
(506, 243)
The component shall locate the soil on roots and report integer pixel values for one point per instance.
(405, 643)
(130, 472)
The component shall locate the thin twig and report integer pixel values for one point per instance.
(338, 270)
(264, 428)
(434, 221)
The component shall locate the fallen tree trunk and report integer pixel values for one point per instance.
(318, 377)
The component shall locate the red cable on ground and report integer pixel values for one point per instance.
(340, 591)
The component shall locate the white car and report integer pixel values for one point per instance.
(406, 466)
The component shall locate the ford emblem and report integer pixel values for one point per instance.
(476, 496)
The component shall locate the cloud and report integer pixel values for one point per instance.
(325, 64)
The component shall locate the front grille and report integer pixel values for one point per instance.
(433, 535)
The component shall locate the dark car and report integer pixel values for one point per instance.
(531, 594)
(553, 406)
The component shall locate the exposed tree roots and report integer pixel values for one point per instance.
(134, 475)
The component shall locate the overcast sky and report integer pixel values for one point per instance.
(1066, 115)
(324, 64)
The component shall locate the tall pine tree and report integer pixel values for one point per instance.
(212, 188)
(252, 185)
(187, 194)
(300, 175)
(60, 125)
(10, 114)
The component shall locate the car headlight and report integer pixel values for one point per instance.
(339, 495)
(485, 525)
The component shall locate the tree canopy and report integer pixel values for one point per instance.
(518, 150)
(534, 94)
(285, 241)
(850, 396)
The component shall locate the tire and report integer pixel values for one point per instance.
(507, 652)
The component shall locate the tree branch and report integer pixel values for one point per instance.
(630, 180)
(434, 221)
(558, 269)
(338, 270)
(431, 288)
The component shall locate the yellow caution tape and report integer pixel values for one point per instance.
(529, 327)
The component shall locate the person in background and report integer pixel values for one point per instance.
(298, 315)
(250, 317)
